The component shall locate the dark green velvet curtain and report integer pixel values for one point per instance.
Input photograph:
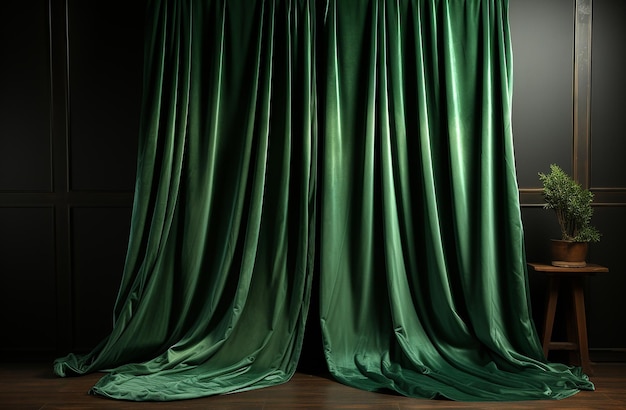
(379, 130)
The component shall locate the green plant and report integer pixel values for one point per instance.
(571, 204)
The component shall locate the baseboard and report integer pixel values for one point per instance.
(608, 354)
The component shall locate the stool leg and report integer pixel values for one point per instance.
(553, 296)
(571, 323)
(581, 323)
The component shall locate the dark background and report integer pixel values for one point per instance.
(70, 90)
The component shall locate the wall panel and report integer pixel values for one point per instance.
(25, 158)
(99, 242)
(27, 282)
(542, 33)
(609, 88)
(105, 64)
(606, 304)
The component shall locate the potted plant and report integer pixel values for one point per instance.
(572, 206)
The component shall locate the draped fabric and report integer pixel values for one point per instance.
(423, 271)
(380, 130)
(216, 285)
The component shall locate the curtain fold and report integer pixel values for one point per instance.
(423, 282)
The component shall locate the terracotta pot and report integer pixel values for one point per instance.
(568, 254)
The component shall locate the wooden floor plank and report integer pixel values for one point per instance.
(33, 386)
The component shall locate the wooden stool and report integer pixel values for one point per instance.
(576, 320)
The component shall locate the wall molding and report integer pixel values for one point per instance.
(582, 92)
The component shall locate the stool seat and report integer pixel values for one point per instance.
(573, 278)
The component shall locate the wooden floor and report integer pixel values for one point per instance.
(33, 386)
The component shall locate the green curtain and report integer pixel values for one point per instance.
(424, 283)
(217, 280)
(413, 196)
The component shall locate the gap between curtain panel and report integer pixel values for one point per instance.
(412, 200)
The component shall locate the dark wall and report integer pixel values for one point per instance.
(568, 106)
(70, 86)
